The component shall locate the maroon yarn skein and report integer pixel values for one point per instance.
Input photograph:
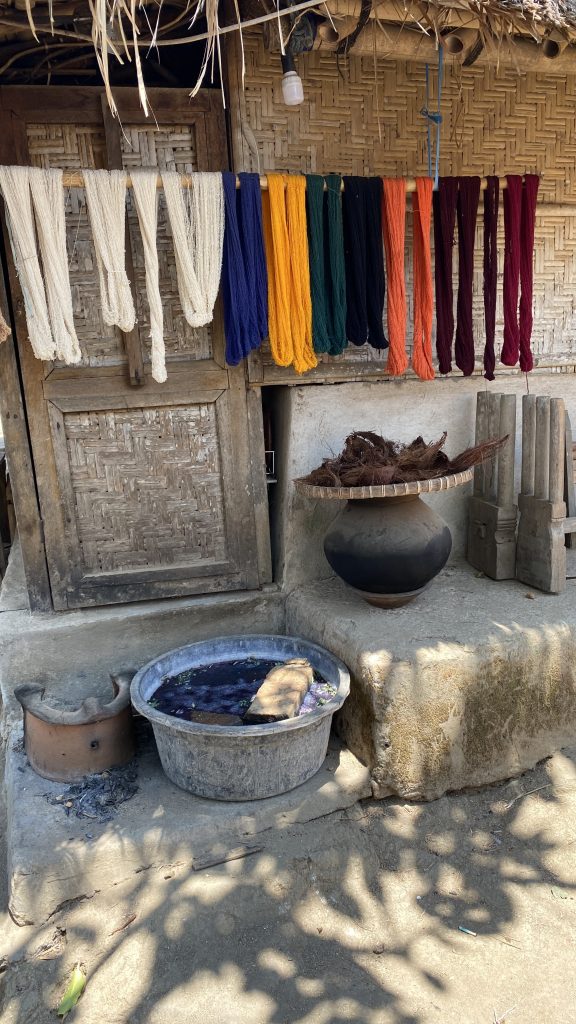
(491, 203)
(529, 197)
(512, 235)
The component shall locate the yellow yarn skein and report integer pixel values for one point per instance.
(289, 301)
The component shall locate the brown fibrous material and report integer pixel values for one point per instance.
(368, 459)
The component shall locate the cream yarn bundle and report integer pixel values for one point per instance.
(15, 187)
(47, 297)
(198, 235)
(48, 199)
(106, 201)
(146, 202)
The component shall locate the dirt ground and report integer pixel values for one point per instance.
(462, 910)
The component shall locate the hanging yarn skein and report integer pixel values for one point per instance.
(48, 201)
(444, 202)
(519, 222)
(491, 202)
(106, 202)
(317, 254)
(300, 303)
(468, 198)
(198, 235)
(423, 302)
(146, 202)
(512, 228)
(276, 247)
(364, 258)
(237, 304)
(286, 244)
(243, 268)
(394, 227)
(326, 253)
(336, 283)
(15, 186)
(252, 238)
(529, 197)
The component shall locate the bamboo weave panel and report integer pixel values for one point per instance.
(172, 149)
(365, 119)
(147, 487)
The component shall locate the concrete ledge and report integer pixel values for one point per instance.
(53, 859)
(473, 683)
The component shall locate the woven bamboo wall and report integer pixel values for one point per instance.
(364, 118)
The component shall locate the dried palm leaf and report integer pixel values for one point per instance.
(368, 459)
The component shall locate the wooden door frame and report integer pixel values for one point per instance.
(21, 466)
(19, 105)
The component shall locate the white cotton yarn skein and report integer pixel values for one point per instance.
(15, 187)
(146, 202)
(48, 200)
(198, 235)
(106, 201)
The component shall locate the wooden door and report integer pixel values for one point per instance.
(146, 490)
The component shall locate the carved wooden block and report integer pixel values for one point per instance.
(492, 539)
(540, 549)
(492, 513)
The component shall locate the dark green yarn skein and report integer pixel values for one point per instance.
(326, 259)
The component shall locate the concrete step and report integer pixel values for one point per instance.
(472, 683)
(53, 859)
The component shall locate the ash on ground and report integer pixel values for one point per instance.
(98, 796)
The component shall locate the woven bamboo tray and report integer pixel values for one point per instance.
(439, 483)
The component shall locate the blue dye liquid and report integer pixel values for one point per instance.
(227, 687)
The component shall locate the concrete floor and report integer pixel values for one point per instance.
(353, 917)
(53, 859)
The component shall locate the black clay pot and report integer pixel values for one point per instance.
(388, 549)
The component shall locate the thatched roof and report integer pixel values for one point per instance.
(546, 12)
(83, 35)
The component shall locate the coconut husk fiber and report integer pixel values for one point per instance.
(368, 459)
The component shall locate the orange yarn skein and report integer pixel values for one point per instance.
(394, 231)
(423, 301)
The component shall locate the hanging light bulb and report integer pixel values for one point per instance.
(292, 88)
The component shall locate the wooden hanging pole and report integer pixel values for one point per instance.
(75, 179)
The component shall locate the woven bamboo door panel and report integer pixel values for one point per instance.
(363, 116)
(145, 491)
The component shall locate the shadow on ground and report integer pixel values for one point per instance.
(363, 916)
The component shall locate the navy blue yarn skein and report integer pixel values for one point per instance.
(252, 237)
(244, 281)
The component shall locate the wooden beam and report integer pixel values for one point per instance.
(397, 42)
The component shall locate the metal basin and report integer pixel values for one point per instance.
(240, 762)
